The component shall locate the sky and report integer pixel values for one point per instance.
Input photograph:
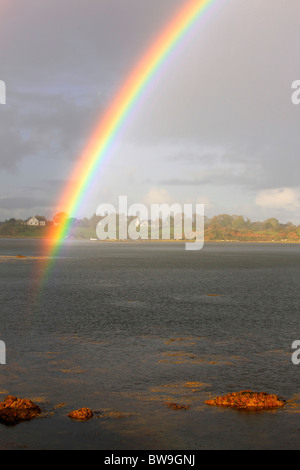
(216, 126)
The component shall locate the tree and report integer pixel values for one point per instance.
(224, 220)
(60, 218)
(238, 222)
(272, 224)
(94, 220)
(11, 221)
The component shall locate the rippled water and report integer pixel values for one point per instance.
(124, 328)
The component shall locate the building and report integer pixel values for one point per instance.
(36, 221)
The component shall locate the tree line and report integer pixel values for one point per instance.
(219, 227)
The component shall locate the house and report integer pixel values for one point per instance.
(36, 221)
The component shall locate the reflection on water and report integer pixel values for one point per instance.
(125, 328)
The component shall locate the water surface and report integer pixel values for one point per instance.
(124, 328)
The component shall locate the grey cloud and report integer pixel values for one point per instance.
(43, 125)
(218, 177)
(71, 39)
(225, 94)
(23, 203)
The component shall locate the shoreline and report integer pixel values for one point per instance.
(151, 241)
(21, 257)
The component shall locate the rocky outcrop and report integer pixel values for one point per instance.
(175, 406)
(248, 400)
(14, 410)
(83, 414)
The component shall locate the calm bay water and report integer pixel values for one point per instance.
(124, 328)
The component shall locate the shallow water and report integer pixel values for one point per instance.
(124, 328)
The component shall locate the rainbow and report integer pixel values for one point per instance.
(111, 122)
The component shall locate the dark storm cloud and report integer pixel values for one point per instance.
(223, 98)
(43, 125)
(62, 62)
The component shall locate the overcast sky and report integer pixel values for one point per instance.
(216, 126)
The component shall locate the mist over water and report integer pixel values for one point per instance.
(124, 328)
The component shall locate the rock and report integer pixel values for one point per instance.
(175, 406)
(248, 400)
(83, 414)
(14, 410)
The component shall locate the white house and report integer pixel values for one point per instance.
(36, 221)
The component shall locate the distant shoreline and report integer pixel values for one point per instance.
(287, 242)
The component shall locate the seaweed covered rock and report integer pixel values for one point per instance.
(14, 410)
(83, 414)
(175, 406)
(248, 400)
